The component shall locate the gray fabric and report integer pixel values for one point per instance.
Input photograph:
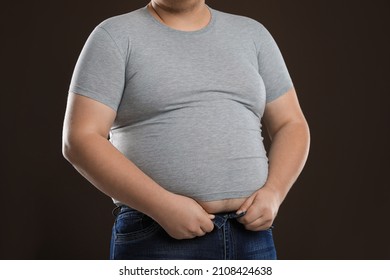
(188, 104)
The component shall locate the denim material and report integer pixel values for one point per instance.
(137, 236)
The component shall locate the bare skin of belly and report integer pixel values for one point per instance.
(220, 206)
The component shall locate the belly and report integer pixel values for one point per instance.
(211, 151)
(220, 206)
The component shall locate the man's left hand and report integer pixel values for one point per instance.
(261, 209)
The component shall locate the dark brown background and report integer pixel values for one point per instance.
(338, 56)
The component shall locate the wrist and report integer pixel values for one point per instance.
(159, 204)
(276, 192)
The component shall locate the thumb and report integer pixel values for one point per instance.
(245, 206)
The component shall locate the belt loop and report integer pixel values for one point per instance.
(219, 220)
(116, 211)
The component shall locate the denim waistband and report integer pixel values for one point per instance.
(219, 220)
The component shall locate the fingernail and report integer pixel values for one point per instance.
(241, 214)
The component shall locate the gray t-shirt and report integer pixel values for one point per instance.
(188, 103)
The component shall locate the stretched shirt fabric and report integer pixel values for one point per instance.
(188, 103)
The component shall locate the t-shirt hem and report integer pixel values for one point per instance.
(281, 92)
(223, 195)
(93, 95)
(211, 196)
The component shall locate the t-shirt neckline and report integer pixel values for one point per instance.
(170, 29)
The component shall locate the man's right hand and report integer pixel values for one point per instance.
(183, 218)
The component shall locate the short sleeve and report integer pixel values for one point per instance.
(272, 67)
(100, 70)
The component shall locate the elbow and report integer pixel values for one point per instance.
(76, 146)
(70, 147)
(301, 128)
(306, 130)
(303, 131)
(67, 150)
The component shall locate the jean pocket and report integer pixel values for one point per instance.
(132, 225)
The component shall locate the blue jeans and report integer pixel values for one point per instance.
(137, 236)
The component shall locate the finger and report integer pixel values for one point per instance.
(245, 206)
(252, 216)
(200, 232)
(259, 224)
(260, 228)
(208, 226)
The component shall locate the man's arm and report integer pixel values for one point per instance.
(290, 140)
(85, 145)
